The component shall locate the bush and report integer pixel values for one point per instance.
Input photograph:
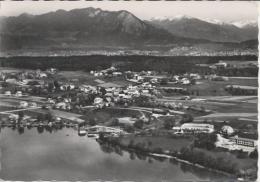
(254, 154)
(241, 154)
(139, 124)
(206, 141)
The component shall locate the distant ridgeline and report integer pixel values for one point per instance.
(174, 64)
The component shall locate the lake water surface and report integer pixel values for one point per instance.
(63, 155)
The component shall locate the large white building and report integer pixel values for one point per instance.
(236, 143)
(194, 128)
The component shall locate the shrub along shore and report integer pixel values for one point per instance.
(189, 155)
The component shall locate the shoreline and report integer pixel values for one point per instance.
(190, 163)
(168, 156)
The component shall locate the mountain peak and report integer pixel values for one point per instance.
(245, 23)
(179, 17)
(168, 18)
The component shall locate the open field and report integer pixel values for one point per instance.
(230, 116)
(214, 88)
(107, 114)
(83, 77)
(12, 70)
(223, 106)
(6, 108)
(217, 88)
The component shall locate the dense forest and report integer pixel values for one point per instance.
(175, 64)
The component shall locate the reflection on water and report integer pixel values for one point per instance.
(60, 154)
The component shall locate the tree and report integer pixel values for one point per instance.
(92, 122)
(164, 81)
(193, 82)
(129, 129)
(205, 141)
(20, 117)
(49, 117)
(50, 86)
(254, 154)
(169, 123)
(56, 84)
(21, 114)
(186, 118)
(103, 91)
(139, 124)
(142, 100)
(241, 154)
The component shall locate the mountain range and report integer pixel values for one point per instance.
(213, 30)
(94, 27)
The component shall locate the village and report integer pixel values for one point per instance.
(139, 107)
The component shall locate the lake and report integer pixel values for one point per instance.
(63, 155)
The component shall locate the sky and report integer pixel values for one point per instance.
(224, 11)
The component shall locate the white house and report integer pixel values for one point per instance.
(42, 75)
(33, 104)
(24, 104)
(185, 81)
(61, 105)
(8, 93)
(98, 102)
(117, 73)
(221, 64)
(18, 94)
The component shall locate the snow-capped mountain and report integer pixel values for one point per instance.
(210, 29)
(170, 18)
(246, 23)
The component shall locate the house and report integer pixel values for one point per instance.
(87, 89)
(67, 87)
(52, 70)
(138, 78)
(11, 81)
(195, 76)
(23, 104)
(220, 64)
(33, 104)
(117, 73)
(8, 93)
(18, 94)
(61, 105)
(99, 102)
(127, 120)
(147, 85)
(185, 81)
(194, 128)
(96, 74)
(154, 80)
(51, 101)
(13, 117)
